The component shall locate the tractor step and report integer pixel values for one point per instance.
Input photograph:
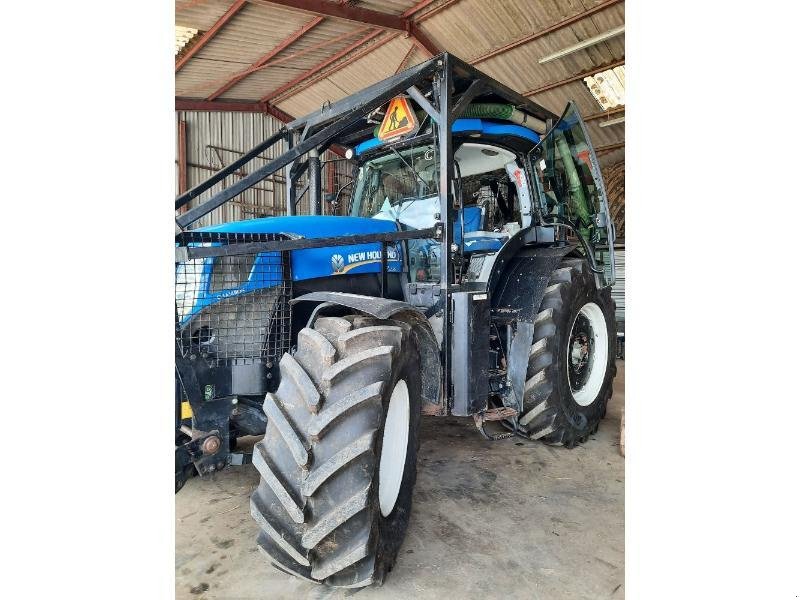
(494, 414)
(500, 413)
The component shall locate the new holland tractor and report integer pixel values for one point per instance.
(469, 277)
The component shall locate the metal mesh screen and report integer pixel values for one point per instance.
(233, 309)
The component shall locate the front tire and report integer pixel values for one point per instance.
(571, 364)
(338, 460)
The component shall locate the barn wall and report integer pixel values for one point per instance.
(216, 139)
(614, 179)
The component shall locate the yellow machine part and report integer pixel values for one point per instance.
(186, 410)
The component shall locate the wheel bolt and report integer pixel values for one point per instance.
(211, 445)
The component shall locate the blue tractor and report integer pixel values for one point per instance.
(470, 277)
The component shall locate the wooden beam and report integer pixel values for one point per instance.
(573, 78)
(547, 30)
(208, 35)
(285, 43)
(347, 12)
(317, 68)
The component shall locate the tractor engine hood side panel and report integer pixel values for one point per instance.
(324, 262)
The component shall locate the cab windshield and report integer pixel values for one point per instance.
(389, 185)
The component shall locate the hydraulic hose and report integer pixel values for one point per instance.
(589, 255)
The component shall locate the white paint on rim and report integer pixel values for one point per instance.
(395, 445)
(599, 363)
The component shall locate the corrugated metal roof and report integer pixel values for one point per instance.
(378, 64)
(200, 14)
(326, 39)
(470, 29)
(393, 7)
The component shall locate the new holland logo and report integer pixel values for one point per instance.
(337, 262)
(341, 264)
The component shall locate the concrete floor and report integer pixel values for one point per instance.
(547, 523)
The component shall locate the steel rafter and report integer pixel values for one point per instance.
(403, 22)
(574, 78)
(421, 40)
(547, 30)
(347, 12)
(285, 43)
(260, 107)
(349, 60)
(605, 113)
(209, 35)
(609, 148)
(316, 69)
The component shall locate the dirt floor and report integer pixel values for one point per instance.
(505, 519)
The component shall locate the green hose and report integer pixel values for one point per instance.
(489, 111)
(581, 204)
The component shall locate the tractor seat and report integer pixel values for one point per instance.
(483, 241)
(476, 240)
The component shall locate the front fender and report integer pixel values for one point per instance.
(517, 293)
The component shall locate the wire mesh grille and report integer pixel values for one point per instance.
(233, 309)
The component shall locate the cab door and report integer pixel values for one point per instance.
(571, 189)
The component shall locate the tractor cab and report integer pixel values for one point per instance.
(504, 173)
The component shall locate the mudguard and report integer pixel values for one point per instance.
(385, 308)
(518, 292)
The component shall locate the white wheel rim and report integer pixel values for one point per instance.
(395, 445)
(587, 393)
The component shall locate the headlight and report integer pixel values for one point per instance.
(188, 276)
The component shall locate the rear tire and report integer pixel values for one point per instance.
(319, 503)
(571, 364)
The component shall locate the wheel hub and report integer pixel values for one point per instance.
(581, 351)
(395, 445)
(587, 354)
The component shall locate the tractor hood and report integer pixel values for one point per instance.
(325, 262)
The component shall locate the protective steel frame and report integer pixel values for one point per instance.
(444, 87)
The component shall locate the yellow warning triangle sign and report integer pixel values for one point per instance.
(399, 120)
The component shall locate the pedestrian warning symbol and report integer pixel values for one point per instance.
(399, 120)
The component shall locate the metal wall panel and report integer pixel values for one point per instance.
(216, 139)
(618, 289)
